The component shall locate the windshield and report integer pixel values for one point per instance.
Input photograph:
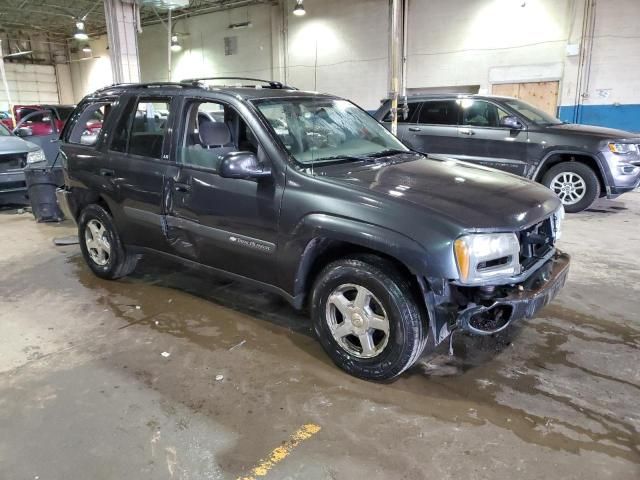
(323, 130)
(531, 113)
(4, 132)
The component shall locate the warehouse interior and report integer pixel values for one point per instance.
(176, 372)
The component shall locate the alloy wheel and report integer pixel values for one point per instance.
(97, 242)
(357, 320)
(569, 187)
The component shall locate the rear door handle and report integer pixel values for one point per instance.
(107, 172)
(415, 129)
(182, 187)
(466, 131)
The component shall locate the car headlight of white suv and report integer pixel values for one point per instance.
(486, 256)
(36, 156)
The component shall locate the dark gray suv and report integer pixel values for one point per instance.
(307, 196)
(579, 163)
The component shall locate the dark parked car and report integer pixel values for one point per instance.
(578, 162)
(307, 196)
(15, 155)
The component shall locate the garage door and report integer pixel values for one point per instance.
(29, 84)
(543, 95)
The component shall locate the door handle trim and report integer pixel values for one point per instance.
(466, 131)
(415, 129)
(182, 187)
(106, 172)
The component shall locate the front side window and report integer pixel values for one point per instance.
(214, 129)
(4, 132)
(141, 130)
(531, 113)
(480, 113)
(324, 130)
(439, 112)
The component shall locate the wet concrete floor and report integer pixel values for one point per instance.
(85, 391)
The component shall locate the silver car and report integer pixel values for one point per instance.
(15, 155)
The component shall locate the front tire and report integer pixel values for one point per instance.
(367, 319)
(101, 245)
(576, 184)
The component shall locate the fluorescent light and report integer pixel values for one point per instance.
(86, 48)
(18, 54)
(299, 9)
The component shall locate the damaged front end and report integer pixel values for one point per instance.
(487, 310)
(519, 274)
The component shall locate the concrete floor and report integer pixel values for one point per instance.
(86, 394)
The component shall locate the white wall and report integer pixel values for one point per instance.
(480, 42)
(90, 72)
(352, 49)
(350, 38)
(29, 84)
(202, 38)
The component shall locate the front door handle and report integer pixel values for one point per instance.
(415, 129)
(106, 172)
(466, 131)
(182, 187)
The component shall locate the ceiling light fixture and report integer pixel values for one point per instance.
(86, 48)
(299, 9)
(175, 44)
(80, 33)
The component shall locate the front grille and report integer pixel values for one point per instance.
(12, 161)
(535, 242)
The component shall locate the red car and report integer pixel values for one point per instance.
(51, 119)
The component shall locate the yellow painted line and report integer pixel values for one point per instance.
(278, 454)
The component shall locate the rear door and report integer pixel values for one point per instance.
(139, 167)
(435, 129)
(486, 142)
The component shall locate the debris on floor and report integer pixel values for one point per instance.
(238, 345)
(219, 378)
(64, 241)
(165, 354)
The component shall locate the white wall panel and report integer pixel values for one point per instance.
(30, 84)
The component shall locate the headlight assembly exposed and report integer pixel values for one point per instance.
(486, 256)
(623, 148)
(36, 156)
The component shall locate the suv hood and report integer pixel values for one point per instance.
(470, 196)
(15, 145)
(593, 131)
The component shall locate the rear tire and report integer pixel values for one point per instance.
(101, 245)
(382, 331)
(576, 184)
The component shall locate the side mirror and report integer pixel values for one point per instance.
(23, 132)
(511, 122)
(242, 165)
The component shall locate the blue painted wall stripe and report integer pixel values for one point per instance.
(623, 117)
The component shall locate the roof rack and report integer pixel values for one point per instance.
(272, 84)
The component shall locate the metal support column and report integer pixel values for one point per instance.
(397, 56)
(122, 32)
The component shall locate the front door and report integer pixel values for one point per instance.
(486, 142)
(228, 224)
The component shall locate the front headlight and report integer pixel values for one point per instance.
(486, 256)
(36, 156)
(623, 148)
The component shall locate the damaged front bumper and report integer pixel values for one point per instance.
(490, 310)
